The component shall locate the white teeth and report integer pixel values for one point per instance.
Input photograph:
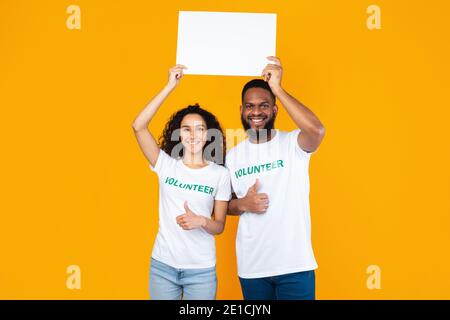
(256, 120)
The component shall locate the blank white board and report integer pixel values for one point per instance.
(225, 43)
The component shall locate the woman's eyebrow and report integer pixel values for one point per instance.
(196, 125)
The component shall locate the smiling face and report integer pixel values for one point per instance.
(193, 133)
(258, 110)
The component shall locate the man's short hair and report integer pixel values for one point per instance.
(257, 83)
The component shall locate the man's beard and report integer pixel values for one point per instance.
(262, 134)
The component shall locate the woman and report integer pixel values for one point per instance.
(193, 197)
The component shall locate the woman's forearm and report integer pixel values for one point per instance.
(213, 227)
(146, 115)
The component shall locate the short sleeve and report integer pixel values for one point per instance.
(224, 187)
(293, 140)
(163, 163)
(227, 159)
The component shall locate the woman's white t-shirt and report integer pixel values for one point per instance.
(278, 241)
(179, 248)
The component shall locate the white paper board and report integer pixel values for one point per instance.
(225, 43)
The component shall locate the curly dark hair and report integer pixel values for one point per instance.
(167, 144)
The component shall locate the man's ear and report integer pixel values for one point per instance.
(275, 109)
(240, 108)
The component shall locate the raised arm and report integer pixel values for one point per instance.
(312, 130)
(146, 141)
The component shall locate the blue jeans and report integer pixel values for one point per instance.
(292, 286)
(168, 283)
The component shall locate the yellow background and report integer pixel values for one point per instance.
(75, 188)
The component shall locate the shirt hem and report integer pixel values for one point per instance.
(185, 266)
(275, 273)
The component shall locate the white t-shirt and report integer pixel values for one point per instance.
(179, 248)
(279, 240)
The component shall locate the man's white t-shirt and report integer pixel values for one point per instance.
(179, 248)
(278, 241)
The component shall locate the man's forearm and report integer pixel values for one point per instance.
(303, 117)
(235, 207)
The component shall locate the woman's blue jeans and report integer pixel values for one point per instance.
(168, 283)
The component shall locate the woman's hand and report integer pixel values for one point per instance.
(175, 75)
(190, 220)
(147, 142)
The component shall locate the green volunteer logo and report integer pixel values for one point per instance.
(261, 168)
(187, 186)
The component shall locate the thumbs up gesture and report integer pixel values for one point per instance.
(189, 220)
(255, 202)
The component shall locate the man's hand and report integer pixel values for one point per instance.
(175, 75)
(190, 220)
(273, 73)
(253, 201)
(312, 130)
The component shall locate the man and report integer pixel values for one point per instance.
(270, 180)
